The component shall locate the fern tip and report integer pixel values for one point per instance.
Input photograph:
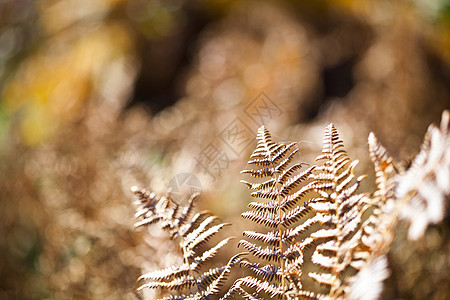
(372, 138)
(246, 182)
(360, 178)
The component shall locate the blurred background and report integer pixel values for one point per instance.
(99, 95)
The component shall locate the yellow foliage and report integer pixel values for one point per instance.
(51, 86)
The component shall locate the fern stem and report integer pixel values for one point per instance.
(280, 226)
(186, 258)
(280, 232)
(337, 281)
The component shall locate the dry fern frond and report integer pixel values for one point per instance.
(339, 210)
(284, 207)
(192, 233)
(378, 229)
(418, 195)
(426, 184)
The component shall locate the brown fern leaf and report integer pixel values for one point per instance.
(191, 233)
(339, 211)
(268, 272)
(271, 238)
(378, 230)
(281, 206)
(272, 290)
(426, 184)
(268, 219)
(417, 195)
(267, 253)
(384, 166)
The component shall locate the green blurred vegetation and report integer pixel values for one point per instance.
(100, 95)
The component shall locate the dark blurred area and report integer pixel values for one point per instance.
(101, 95)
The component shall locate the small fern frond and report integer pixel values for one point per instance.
(180, 283)
(293, 233)
(293, 216)
(209, 254)
(267, 253)
(261, 173)
(192, 234)
(194, 223)
(167, 273)
(254, 283)
(265, 218)
(268, 272)
(258, 186)
(271, 238)
(202, 238)
(187, 211)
